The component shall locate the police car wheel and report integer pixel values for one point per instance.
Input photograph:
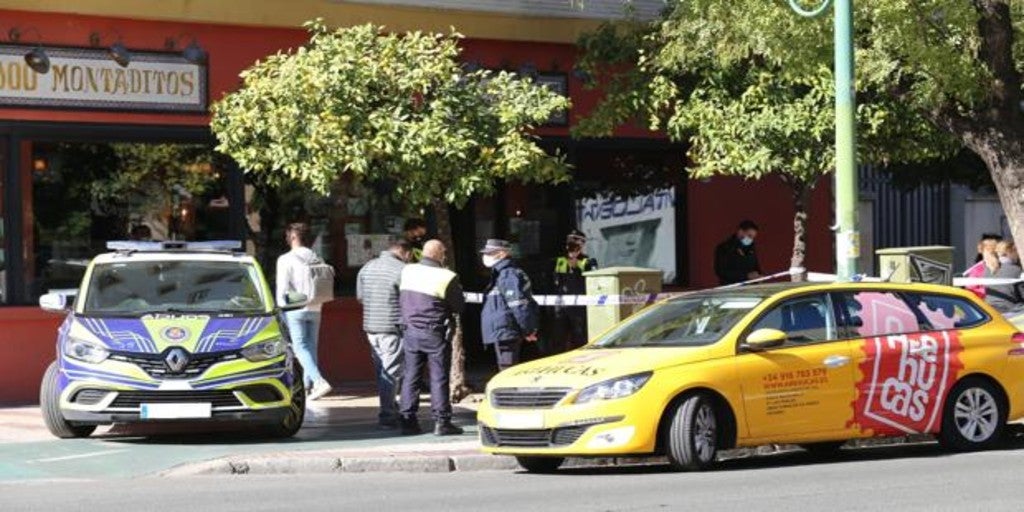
(693, 435)
(49, 401)
(540, 464)
(292, 422)
(974, 417)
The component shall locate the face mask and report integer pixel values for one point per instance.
(746, 241)
(1005, 259)
(490, 261)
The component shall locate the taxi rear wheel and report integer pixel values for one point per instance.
(49, 402)
(974, 417)
(693, 436)
(540, 464)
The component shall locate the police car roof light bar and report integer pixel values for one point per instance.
(175, 245)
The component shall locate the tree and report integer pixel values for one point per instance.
(392, 109)
(946, 73)
(743, 113)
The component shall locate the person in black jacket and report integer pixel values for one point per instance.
(510, 315)
(735, 258)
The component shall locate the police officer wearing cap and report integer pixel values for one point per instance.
(510, 315)
(571, 321)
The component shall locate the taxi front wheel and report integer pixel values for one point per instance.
(974, 417)
(693, 435)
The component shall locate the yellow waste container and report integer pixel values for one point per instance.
(931, 264)
(624, 281)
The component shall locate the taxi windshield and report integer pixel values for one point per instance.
(133, 288)
(687, 322)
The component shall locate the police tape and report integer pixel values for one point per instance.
(630, 297)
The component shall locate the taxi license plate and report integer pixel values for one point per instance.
(175, 411)
(520, 420)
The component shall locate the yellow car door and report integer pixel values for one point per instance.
(804, 387)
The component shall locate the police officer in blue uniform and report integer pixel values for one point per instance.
(510, 315)
(430, 297)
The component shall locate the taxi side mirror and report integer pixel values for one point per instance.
(294, 300)
(764, 339)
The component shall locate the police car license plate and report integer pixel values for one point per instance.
(175, 411)
(522, 420)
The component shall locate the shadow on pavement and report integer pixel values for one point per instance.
(792, 458)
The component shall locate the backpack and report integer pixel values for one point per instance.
(315, 279)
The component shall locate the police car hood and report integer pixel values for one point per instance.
(155, 333)
(587, 366)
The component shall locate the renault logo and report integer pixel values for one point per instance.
(176, 360)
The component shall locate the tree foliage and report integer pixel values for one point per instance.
(397, 109)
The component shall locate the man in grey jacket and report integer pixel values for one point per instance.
(377, 290)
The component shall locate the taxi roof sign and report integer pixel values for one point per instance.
(175, 245)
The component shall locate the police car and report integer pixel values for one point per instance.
(171, 331)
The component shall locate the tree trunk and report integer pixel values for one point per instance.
(1004, 156)
(801, 196)
(459, 388)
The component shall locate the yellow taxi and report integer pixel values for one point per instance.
(808, 364)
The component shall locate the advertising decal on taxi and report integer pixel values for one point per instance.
(904, 377)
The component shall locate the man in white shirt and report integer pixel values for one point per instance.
(303, 324)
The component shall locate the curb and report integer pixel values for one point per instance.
(331, 464)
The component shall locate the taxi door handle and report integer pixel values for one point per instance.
(836, 361)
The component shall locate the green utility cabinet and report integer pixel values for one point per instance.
(932, 264)
(623, 281)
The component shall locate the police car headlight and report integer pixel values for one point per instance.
(614, 388)
(86, 351)
(265, 350)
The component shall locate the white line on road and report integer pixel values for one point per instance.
(78, 456)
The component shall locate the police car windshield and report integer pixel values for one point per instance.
(687, 322)
(134, 288)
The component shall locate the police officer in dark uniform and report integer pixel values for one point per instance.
(430, 297)
(571, 321)
(510, 315)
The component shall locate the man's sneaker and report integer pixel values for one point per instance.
(411, 427)
(445, 428)
(320, 389)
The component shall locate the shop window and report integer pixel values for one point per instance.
(83, 195)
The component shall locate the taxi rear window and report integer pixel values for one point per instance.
(882, 313)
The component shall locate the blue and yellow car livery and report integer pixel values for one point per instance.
(158, 334)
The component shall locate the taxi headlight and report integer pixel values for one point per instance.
(265, 350)
(86, 351)
(614, 388)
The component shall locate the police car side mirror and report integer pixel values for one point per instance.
(294, 300)
(57, 302)
(764, 339)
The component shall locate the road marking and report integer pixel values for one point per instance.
(78, 456)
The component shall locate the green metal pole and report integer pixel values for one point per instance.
(848, 237)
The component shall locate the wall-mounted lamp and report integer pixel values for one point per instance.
(36, 58)
(117, 51)
(192, 53)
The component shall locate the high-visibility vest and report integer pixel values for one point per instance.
(562, 264)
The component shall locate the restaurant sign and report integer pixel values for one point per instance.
(89, 78)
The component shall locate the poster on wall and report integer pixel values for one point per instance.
(363, 248)
(638, 231)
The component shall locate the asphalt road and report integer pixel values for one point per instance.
(905, 478)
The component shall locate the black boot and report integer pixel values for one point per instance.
(410, 427)
(445, 428)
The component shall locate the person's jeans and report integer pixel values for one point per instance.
(304, 328)
(387, 357)
(507, 353)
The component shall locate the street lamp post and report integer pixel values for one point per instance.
(847, 236)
